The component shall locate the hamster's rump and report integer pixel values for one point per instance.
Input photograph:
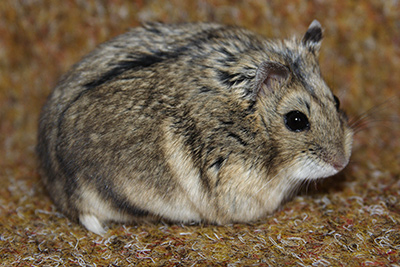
(190, 122)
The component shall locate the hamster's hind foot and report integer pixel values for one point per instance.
(92, 223)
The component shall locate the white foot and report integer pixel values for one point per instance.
(92, 224)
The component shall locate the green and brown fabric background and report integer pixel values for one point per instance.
(350, 219)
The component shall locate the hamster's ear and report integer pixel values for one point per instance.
(269, 76)
(313, 37)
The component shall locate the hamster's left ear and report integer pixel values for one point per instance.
(313, 37)
(270, 76)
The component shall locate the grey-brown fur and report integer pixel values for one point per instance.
(187, 122)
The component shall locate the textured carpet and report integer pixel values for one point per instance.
(350, 219)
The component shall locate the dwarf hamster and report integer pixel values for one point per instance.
(194, 122)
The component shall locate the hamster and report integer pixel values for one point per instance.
(194, 122)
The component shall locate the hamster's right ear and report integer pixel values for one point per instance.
(269, 77)
(313, 37)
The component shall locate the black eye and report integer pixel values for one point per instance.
(296, 121)
(337, 102)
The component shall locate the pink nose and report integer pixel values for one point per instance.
(339, 162)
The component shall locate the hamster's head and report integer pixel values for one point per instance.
(304, 121)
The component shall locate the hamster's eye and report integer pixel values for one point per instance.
(337, 102)
(296, 121)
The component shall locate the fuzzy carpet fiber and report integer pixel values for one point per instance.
(352, 219)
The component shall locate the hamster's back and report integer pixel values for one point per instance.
(106, 119)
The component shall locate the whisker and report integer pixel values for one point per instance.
(372, 117)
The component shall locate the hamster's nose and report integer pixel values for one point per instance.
(339, 161)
